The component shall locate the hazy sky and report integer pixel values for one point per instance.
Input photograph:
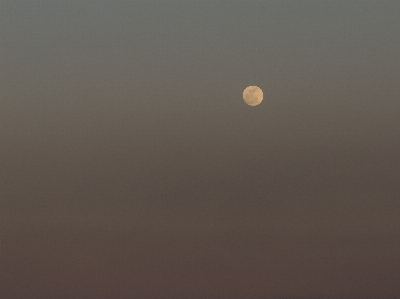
(132, 168)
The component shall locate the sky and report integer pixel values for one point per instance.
(131, 167)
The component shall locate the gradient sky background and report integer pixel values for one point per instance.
(131, 167)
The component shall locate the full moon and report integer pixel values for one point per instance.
(253, 95)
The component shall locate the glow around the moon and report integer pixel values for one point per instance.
(253, 95)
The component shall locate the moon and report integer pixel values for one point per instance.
(253, 95)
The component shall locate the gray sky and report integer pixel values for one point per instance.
(131, 166)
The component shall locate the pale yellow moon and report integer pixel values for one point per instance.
(253, 95)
